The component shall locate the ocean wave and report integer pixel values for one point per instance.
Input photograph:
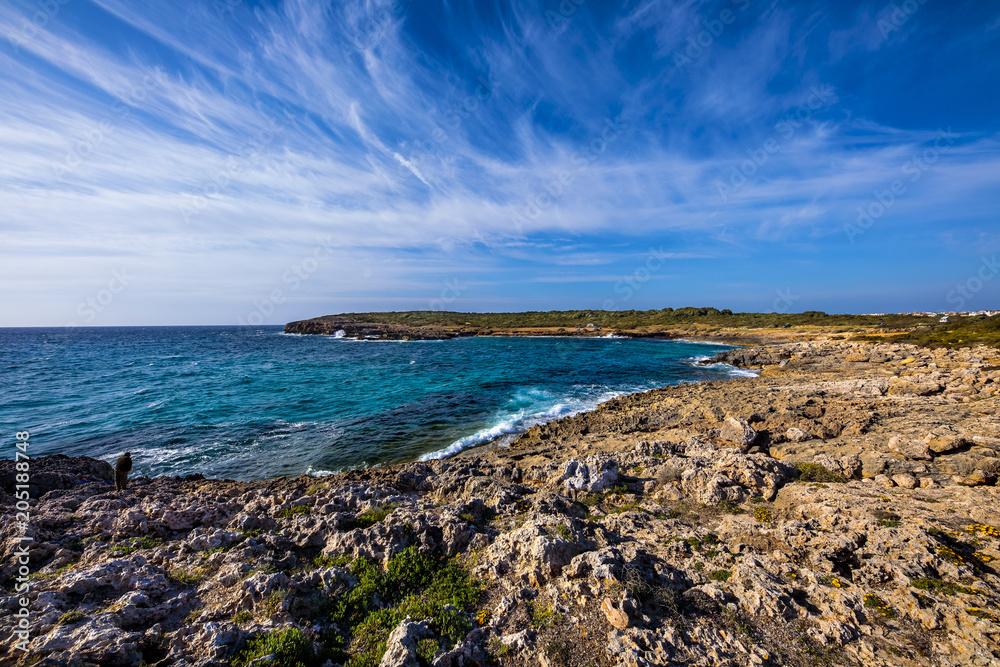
(513, 424)
(733, 371)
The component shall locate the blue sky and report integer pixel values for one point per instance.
(230, 161)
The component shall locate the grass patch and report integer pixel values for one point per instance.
(290, 512)
(370, 517)
(543, 616)
(888, 523)
(71, 617)
(135, 544)
(564, 532)
(241, 617)
(186, 577)
(720, 575)
(945, 587)
(814, 472)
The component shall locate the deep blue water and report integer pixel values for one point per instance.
(252, 402)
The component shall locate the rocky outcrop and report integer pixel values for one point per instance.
(333, 325)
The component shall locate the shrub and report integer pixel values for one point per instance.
(814, 472)
(413, 584)
(880, 606)
(762, 514)
(720, 575)
(289, 648)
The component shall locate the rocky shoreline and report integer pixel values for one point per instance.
(840, 509)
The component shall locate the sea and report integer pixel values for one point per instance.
(253, 402)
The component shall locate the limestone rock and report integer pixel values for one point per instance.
(596, 475)
(615, 615)
(915, 450)
(401, 647)
(903, 386)
(905, 480)
(738, 432)
(797, 434)
(947, 443)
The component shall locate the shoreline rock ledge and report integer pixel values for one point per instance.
(808, 516)
(333, 325)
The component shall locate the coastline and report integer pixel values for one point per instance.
(839, 504)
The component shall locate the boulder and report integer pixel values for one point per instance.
(738, 432)
(798, 435)
(915, 450)
(947, 443)
(615, 615)
(596, 475)
(905, 480)
(401, 647)
(904, 387)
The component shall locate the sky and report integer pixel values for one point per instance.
(237, 162)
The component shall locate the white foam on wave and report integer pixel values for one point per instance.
(518, 422)
(733, 371)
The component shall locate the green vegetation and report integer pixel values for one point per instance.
(71, 617)
(888, 523)
(323, 562)
(879, 605)
(963, 332)
(814, 472)
(543, 615)
(186, 577)
(290, 512)
(945, 587)
(241, 617)
(633, 319)
(369, 517)
(762, 514)
(289, 648)
(413, 584)
(720, 575)
(564, 532)
(135, 544)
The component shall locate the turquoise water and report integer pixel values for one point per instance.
(253, 402)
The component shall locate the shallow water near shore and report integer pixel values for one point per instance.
(253, 402)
